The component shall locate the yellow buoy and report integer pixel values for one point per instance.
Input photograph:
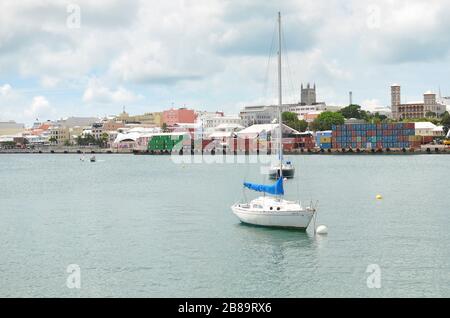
(379, 197)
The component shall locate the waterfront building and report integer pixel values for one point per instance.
(75, 132)
(62, 134)
(417, 109)
(258, 115)
(203, 114)
(223, 131)
(182, 115)
(70, 122)
(213, 122)
(308, 104)
(59, 134)
(310, 117)
(11, 128)
(7, 140)
(97, 130)
(150, 118)
(36, 139)
(112, 125)
(428, 129)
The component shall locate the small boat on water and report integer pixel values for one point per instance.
(92, 159)
(288, 170)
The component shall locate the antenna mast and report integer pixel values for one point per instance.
(280, 101)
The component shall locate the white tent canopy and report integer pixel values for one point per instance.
(256, 130)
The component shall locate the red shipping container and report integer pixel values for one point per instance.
(427, 139)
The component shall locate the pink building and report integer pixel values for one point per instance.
(182, 115)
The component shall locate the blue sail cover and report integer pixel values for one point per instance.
(276, 188)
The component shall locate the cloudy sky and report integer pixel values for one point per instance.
(61, 58)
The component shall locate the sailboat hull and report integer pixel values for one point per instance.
(291, 216)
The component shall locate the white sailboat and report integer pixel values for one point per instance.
(274, 211)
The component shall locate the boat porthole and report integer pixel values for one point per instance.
(278, 209)
(271, 208)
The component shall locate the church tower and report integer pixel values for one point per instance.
(308, 94)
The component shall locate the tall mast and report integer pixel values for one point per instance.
(280, 102)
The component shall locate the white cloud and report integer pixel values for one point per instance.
(371, 104)
(96, 92)
(40, 107)
(5, 90)
(215, 52)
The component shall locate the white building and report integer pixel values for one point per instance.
(223, 131)
(302, 110)
(258, 115)
(212, 122)
(418, 109)
(428, 129)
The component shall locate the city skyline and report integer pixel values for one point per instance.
(58, 60)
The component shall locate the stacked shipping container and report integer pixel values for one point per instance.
(323, 139)
(374, 136)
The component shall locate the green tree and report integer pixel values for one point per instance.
(445, 120)
(164, 127)
(289, 116)
(375, 118)
(66, 143)
(327, 119)
(353, 111)
(300, 125)
(87, 140)
(104, 139)
(52, 139)
(9, 144)
(291, 119)
(430, 114)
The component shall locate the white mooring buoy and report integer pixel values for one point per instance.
(322, 229)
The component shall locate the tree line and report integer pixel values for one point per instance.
(327, 119)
